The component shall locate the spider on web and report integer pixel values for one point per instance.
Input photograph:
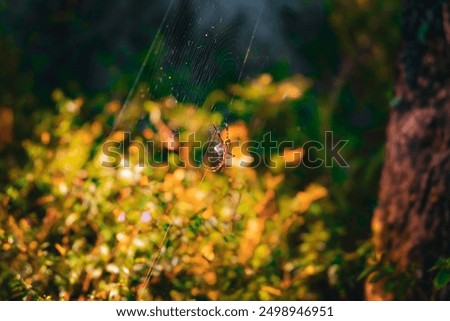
(218, 150)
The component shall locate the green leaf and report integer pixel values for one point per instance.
(441, 264)
(389, 285)
(422, 32)
(377, 277)
(368, 270)
(195, 223)
(441, 279)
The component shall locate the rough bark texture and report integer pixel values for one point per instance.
(411, 225)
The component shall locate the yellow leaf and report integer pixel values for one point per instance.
(293, 156)
(61, 249)
(213, 295)
(210, 278)
(167, 136)
(208, 252)
(304, 199)
(113, 107)
(45, 138)
(272, 181)
(251, 238)
(271, 290)
(289, 89)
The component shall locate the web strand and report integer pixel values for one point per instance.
(149, 274)
(141, 69)
(249, 48)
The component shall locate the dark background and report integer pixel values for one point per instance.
(94, 50)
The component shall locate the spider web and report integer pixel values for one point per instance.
(196, 49)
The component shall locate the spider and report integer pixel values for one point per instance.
(218, 151)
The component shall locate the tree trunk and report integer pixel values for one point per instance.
(411, 225)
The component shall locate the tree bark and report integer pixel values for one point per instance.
(411, 225)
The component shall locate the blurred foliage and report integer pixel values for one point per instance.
(443, 276)
(72, 229)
